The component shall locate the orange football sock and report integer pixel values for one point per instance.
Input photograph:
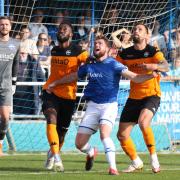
(129, 148)
(149, 139)
(53, 138)
(1, 151)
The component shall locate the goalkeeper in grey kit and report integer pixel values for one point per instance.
(8, 74)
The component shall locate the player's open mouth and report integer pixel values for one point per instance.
(97, 50)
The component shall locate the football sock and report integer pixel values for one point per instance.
(149, 139)
(53, 138)
(1, 145)
(129, 148)
(109, 149)
(87, 149)
(57, 158)
(1, 149)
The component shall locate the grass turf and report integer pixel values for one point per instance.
(17, 167)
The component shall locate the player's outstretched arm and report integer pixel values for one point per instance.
(162, 66)
(138, 78)
(72, 77)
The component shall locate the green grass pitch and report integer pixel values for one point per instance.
(31, 166)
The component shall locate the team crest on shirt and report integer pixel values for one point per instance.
(68, 52)
(146, 54)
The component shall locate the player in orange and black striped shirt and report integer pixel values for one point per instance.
(144, 98)
(59, 92)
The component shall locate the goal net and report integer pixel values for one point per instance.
(106, 16)
(128, 13)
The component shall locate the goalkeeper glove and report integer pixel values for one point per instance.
(14, 85)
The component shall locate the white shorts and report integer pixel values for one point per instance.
(97, 114)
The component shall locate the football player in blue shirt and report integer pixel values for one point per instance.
(103, 74)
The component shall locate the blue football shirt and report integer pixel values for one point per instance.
(103, 80)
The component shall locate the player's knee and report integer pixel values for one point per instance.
(143, 125)
(103, 135)
(51, 116)
(4, 118)
(118, 135)
(51, 120)
(79, 142)
(121, 136)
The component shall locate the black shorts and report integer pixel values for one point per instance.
(133, 108)
(63, 107)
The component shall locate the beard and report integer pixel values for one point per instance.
(4, 33)
(62, 39)
(99, 55)
(136, 40)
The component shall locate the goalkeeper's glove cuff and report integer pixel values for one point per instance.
(14, 79)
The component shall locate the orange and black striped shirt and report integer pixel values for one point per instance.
(64, 62)
(132, 58)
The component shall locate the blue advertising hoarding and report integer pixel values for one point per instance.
(169, 110)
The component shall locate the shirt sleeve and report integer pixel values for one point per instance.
(83, 56)
(82, 72)
(119, 59)
(15, 65)
(158, 57)
(119, 67)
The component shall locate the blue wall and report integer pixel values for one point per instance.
(31, 136)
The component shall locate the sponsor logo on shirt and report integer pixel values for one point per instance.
(60, 61)
(6, 57)
(95, 75)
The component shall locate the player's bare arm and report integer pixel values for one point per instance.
(162, 66)
(116, 40)
(72, 77)
(138, 78)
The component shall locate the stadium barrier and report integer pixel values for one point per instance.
(30, 135)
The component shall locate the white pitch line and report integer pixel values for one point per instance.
(49, 172)
(174, 169)
(72, 172)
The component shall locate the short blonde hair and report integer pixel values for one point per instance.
(103, 38)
